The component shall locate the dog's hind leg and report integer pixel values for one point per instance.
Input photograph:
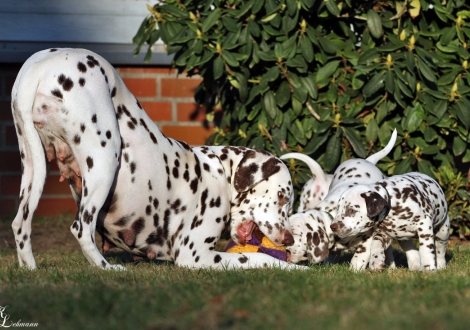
(442, 238)
(95, 142)
(412, 254)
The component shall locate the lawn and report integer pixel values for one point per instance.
(66, 293)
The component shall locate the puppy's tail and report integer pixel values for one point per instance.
(384, 152)
(314, 167)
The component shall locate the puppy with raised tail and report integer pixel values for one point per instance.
(402, 207)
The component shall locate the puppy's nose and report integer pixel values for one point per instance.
(288, 239)
(334, 227)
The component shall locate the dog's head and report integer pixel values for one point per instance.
(312, 237)
(360, 208)
(264, 197)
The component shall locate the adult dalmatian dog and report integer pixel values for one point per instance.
(315, 223)
(403, 207)
(145, 193)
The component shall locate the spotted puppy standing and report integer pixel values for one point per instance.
(347, 175)
(402, 207)
(147, 194)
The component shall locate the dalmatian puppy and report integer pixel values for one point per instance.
(347, 175)
(315, 241)
(313, 237)
(315, 189)
(150, 195)
(402, 207)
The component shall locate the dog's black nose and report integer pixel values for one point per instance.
(334, 226)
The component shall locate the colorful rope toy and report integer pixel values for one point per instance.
(258, 243)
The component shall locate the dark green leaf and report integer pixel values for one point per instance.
(306, 48)
(425, 167)
(333, 151)
(315, 142)
(253, 27)
(270, 105)
(410, 61)
(229, 59)
(210, 20)
(358, 80)
(374, 84)
(296, 105)
(403, 167)
(309, 84)
(372, 131)
(458, 146)
(283, 94)
(332, 7)
(230, 24)
(327, 70)
(426, 71)
(374, 23)
(354, 138)
(464, 114)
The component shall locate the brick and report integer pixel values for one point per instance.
(10, 161)
(8, 207)
(10, 136)
(56, 206)
(164, 70)
(190, 112)
(54, 187)
(10, 185)
(5, 111)
(179, 87)
(158, 111)
(193, 135)
(142, 87)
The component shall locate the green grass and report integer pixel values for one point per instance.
(66, 293)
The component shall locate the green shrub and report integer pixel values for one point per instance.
(331, 79)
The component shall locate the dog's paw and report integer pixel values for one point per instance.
(115, 267)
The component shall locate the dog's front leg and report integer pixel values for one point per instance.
(380, 243)
(361, 257)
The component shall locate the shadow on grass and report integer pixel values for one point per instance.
(398, 255)
(123, 257)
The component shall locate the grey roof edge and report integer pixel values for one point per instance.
(116, 54)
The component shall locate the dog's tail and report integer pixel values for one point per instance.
(314, 167)
(32, 152)
(384, 152)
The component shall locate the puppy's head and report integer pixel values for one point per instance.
(264, 198)
(360, 208)
(312, 237)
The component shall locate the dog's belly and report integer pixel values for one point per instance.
(158, 200)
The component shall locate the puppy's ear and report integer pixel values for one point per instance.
(254, 167)
(377, 203)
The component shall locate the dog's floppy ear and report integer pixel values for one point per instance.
(254, 167)
(377, 203)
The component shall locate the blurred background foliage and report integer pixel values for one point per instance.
(332, 79)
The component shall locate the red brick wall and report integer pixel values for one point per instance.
(167, 98)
